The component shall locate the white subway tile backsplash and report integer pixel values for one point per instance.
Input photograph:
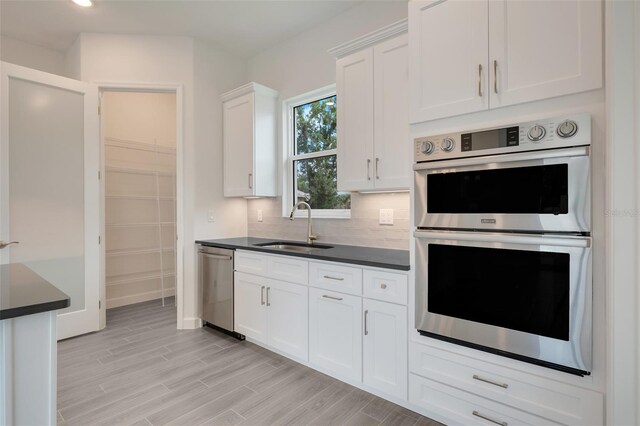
(362, 229)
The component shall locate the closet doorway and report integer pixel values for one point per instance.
(140, 145)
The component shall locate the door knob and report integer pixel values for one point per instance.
(3, 244)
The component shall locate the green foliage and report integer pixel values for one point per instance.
(315, 130)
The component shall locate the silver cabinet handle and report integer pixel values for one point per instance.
(368, 169)
(331, 297)
(495, 76)
(487, 418)
(383, 286)
(491, 382)
(366, 314)
(3, 244)
(329, 277)
(377, 168)
(262, 295)
(268, 301)
(250, 180)
(480, 80)
(212, 256)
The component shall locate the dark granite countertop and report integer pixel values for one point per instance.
(23, 292)
(367, 256)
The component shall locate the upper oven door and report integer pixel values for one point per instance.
(528, 295)
(530, 191)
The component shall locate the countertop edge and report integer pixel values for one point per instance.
(315, 256)
(39, 308)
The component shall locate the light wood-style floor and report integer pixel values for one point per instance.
(141, 370)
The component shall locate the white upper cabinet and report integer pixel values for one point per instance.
(540, 49)
(448, 45)
(372, 90)
(249, 141)
(354, 88)
(472, 56)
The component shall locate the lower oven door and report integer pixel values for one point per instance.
(541, 191)
(524, 296)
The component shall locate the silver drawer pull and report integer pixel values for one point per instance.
(331, 297)
(489, 419)
(383, 286)
(329, 277)
(262, 295)
(482, 379)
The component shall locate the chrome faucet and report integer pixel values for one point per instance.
(310, 236)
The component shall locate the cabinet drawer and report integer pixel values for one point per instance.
(250, 262)
(385, 286)
(560, 402)
(289, 269)
(463, 408)
(344, 279)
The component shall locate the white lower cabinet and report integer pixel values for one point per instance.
(272, 312)
(455, 386)
(250, 309)
(385, 347)
(335, 333)
(287, 317)
(463, 408)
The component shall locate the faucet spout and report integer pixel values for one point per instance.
(310, 237)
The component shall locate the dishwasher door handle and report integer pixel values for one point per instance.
(215, 256)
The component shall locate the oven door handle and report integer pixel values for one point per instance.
(543, 240)
(580, 151)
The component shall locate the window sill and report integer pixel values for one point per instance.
(321, 214)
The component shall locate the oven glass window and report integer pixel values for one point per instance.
(521, 290)
(535, 189)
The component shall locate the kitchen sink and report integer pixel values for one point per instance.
(283, 245)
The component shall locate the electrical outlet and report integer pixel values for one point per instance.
(259, 215)
(211, 216)
(386, 217)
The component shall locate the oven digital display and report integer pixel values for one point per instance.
(520, 290)
(498, 138)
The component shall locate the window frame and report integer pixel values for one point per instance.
(288, 157)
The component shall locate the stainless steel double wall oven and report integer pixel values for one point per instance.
(503, 246)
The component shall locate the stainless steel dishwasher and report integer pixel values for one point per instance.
(215, 272)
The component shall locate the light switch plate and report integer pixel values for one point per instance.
(211, 216)
(259, 215)
(386, 217)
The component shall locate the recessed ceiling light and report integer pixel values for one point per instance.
(83, 3)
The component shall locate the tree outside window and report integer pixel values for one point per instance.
(314, 156)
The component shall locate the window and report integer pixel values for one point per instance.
(311, 159)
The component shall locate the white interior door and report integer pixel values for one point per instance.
(49, 187)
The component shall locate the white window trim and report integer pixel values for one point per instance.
(287, 152)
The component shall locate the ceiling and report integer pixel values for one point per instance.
(241, 27)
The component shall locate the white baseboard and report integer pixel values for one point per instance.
(138, 298)
(191, 323)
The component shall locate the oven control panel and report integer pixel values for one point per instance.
(559, 132)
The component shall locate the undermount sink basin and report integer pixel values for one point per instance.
(279, 245)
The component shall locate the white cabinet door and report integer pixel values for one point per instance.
(287, 318)
(354, 88)
(238, 136)
(392, 162)
(448, 55)
(250, 308)
(543, 49)
(385, 347)
(335, 333)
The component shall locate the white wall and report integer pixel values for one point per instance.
(302, 64)
(32, 56)
(205, 72)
